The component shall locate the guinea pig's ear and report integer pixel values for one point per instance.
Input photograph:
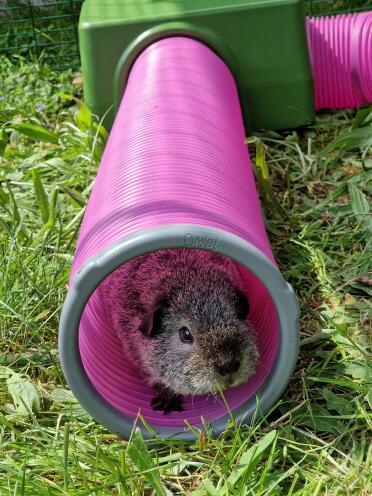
(151, 323)
(242, 305)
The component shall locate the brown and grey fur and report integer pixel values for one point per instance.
(151, 297)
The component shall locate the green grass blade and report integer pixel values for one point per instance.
(74, 195)
(23, 393)
(41, 196)
(66, 440)
(16, 214)
(358, 200)
(357, 138)
(83, 117)
(361, 208)
(363, 117)
(249, 460)
(3, 142)
(141, 457)
(339, 191)
(36, 133)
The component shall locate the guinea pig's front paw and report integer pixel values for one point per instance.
(166, 401)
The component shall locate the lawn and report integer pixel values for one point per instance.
(316, 201)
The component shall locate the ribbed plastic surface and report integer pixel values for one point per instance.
(341, 55)
(176, 154)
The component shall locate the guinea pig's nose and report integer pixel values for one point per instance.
(228, 368)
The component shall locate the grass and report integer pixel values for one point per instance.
(315, 186)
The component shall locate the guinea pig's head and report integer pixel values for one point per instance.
(199, 338)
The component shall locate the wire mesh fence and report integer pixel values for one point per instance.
(326, 7)
(48, 28)
(43, 28)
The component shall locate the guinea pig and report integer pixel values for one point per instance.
(181, 316)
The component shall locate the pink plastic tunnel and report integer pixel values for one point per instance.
(341, 55)
(176, 159)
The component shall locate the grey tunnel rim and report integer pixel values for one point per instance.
(96, 268)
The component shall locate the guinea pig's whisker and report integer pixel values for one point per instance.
(217, 397)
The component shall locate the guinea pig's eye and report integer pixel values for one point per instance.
(185, 335)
